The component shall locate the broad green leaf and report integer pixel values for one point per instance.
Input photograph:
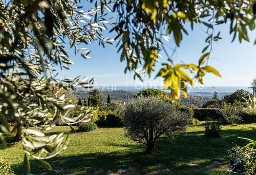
(175, 94)
(62, 97)
(193, 67)
(203, 58)
(150, 7)
(67, 119)
(207, 24)
(26, 163)
(46, 164)
(33, 132)
(38, 144)
(4, 123)
(205, 48)
(41, 139)
(177, 33)
(211, 69)
(181, 15)
(69, 106)
(183, 88)
(175, 86)
(167, 82)
(3, 140)
(185, 77)
(162, 73)
(27, 143)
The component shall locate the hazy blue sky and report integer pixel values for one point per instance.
(236, 62)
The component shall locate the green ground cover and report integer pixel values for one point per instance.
(108, 151)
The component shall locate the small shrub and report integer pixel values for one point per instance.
(110, 120)
(247, 116)
(153, 93)
(188, 111)
(5, 168)
(101, 122)
(203, 114)
(213, 104)
(234, 119)
(185, 110)
(146, 119)
(114, 121)
(242, 159)
(212, 129)
(239, 97)
(86, 127)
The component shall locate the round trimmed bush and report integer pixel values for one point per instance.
(113, 120)
(146, 119)
(86, 127)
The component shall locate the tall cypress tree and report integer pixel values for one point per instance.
(109, 99)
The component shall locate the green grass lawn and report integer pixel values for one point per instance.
(107, 150)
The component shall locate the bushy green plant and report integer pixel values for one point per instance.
(113, 120)
(232, 114)
(101, 122)
(247, 116)
(214, 104)
(5, 168)
(242, 159)
(110, 120)
(229, 115)
(146, 119)
(86, 127)
(186, 110)
(212, 129)
(95, 98)
(239, 97)
(110, 116)
(234, 119)
(203, 114)
(152, 93)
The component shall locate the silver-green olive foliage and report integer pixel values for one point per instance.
(146, 119)
(144, 24)
(34, 35)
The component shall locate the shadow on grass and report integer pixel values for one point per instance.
(188, 154)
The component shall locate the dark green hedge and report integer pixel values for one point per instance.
(247, 117)
(111, 120)
(203, 114)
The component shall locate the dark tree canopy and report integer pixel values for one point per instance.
(95, 98)
(238, 96)
(215, 96)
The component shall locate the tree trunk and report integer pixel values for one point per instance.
(17, 137)
(150, 144)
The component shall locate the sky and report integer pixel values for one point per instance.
(236, 62)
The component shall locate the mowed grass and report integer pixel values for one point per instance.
(108, 151)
